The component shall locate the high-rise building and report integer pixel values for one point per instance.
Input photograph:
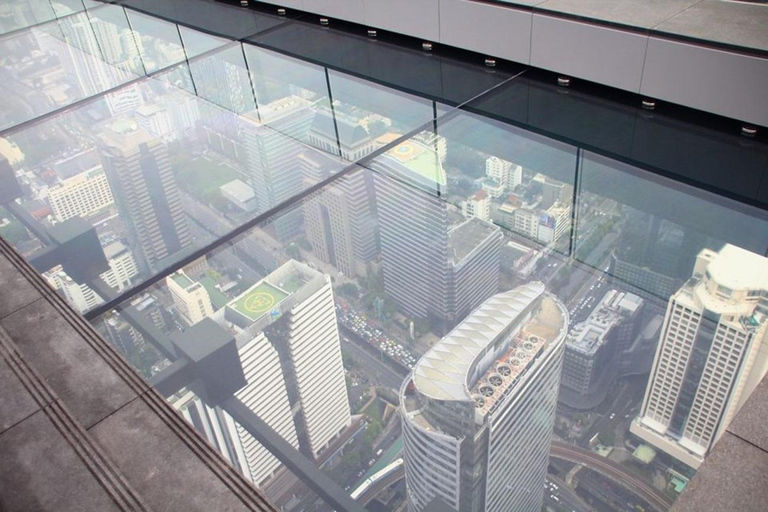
(122, 268)
(554, 222)
(145, 190)
(272, 139)
(553, 191)
(339, 219)
(124, 100)
(503, 172)
(286, 330)
(156, 120)
(95, 48)
(191, 298)
(711, 354)
(479, 205)
(479, 408)
(654, 256)
(437, 264)
(594, 349)
(81, 195)
(215, 425)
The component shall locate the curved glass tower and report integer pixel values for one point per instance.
(479, 408)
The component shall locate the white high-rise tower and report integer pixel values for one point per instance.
(712, 353)
(288, 340)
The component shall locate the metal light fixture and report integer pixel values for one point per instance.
(748, 130)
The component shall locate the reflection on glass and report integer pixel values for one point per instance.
(18, 14)
(412, 289)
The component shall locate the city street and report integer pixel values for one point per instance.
(379, 372)
(567, 499)
(613, 471)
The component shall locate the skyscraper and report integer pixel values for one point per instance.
(191, 298)
(95, 49)
(711, 354)
(145, 190)
(272, 138)
(122, 268)
(653, 256)
(289, 344)
(438, 265)
(479, 408)
(594, 349)
(339, 220)
(80, 196)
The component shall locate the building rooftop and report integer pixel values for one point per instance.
(258, 300)
(182, 280)
(588, 336)
(239, 190)
(421, 160)
(467, 236)
(444, 372)
(739, 269)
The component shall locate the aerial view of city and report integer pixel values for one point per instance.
(432, 308)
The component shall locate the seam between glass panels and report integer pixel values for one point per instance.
(56, 18)
(94, 97)
(227, 238)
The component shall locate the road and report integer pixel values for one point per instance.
(625, 400)
(568, 498)
(372, 366)
(613, 471)
(605, 467)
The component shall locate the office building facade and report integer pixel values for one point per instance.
(271, 139)
(711, 354)
(438, 265)
(145, 190)
(289, 345)
(339, 221)
(191, 299)
(479, 408)
(594, 349)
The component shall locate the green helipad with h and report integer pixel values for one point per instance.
(258, 300)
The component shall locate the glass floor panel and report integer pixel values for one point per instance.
(381, 245)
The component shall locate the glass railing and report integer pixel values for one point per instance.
(342, 258)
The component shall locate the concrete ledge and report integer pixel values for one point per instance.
(599, 54)
(486, 28)
(735, 475)
(417, 19)
(80, 429)
(725, 83)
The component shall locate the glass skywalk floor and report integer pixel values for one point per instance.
(191, 175)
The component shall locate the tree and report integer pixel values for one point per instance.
(420, 326)
(293, 251)
(373, 430)
(468, 161)
(351, 459)
(14, 232)
(607, 436)
(348, 360)
(349, 290)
